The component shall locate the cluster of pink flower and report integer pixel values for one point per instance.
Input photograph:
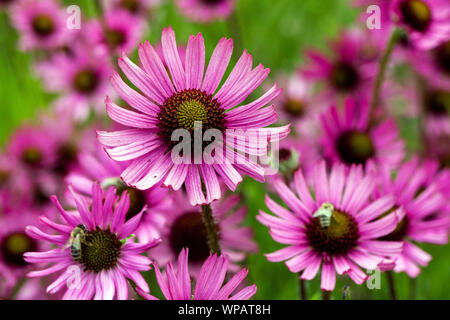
(87, 206)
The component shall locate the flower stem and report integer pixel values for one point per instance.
(326, 295)
(15, 290)
(211, 229)
(391, 282)
(302, 289)
(99, 7)
(394, 38)
(234, 28)
(412, 288)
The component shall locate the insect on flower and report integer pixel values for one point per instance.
(324, 213)
(77, 238)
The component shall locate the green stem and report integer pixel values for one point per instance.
(326, 295)
(391, 283)
(211, 229)
(302, 289)
(395, 36)
(412, 288)
(234, 27)
(17, 288)
(99, 7)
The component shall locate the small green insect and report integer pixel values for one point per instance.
(324, 213)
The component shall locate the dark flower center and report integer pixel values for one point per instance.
(344, 77)
(32, 156)
(85, 81)
(416, 14)
(114, 38)
(100, 250)
(137, 197)
(4, 177)
(285, 154)
(399, 233)
(294, 108)
(188, 231)
(442, 57)
(130, 5)
(211, 2)
(43, 25)
(40, 195)
(355, 147)
(185, 108)
(338, 238)
(14, 246)
(66, 156)
(437, 102)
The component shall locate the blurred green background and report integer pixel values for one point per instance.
(276, 34)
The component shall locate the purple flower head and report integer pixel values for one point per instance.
(338, 228)
(184, 101)
(41, 23)
(427, 21)
(419, 190)
(348, 72)
(81, 77)
(206, 10)
(349, 138)
(14, 242)
(94, 254)
(121, 32)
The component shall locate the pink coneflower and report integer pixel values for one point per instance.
(97, 166)
(32, 147)
(176, 285)
(135, 7)
(121, 32)
(433, 64)
(417, 190)
(206, 10)
(347, 72)
(180, 101)
(427, 21)
(436, 105)
(298, 105)
(348, 137)
(185, 229)
(14, 242)
(349, 239)
(42, 24)
(82, 78)
(107, 257)
(181, 52)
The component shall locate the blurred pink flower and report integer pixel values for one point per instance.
(348, 137)
(41, 24)
(206, 10)
(82, 78)
(348, 72)
(120, 33)
(427, 21)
